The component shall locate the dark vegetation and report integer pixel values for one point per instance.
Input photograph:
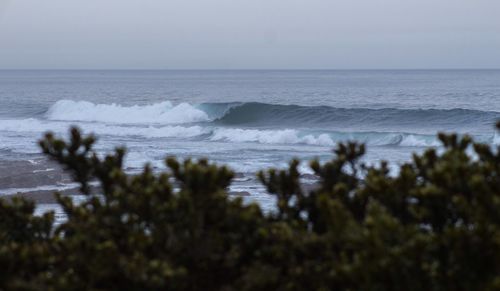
(434, 226)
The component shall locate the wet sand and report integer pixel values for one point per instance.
(38, 179)
(30, 174)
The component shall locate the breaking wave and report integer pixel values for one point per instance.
(159, 113)
(258, 123)
(274, 115)
(224, 134)
(285, 136)
(292, 136)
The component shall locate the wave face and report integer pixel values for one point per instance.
(159, 113)
(261, 114)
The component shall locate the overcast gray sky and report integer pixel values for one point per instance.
(249, 34)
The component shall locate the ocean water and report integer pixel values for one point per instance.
(248, 120)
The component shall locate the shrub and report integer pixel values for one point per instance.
(433, 226)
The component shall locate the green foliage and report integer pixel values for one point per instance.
(433, 226)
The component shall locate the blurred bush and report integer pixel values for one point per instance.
(435, 225)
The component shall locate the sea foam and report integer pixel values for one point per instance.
(158, 113)
(225, 134)
(285, 136)
(412, 140)
(32, 125)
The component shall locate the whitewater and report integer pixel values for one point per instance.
(248, 120)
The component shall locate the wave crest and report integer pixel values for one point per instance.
(159, 113)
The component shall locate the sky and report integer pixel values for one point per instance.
(249, 34)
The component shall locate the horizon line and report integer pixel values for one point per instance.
(249, 69)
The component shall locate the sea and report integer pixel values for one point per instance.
(249, 120)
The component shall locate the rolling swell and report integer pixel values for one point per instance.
(261, 114)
